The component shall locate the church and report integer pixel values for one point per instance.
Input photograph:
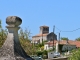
(44, 35)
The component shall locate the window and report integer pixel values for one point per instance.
(45, 29)
(51, 53)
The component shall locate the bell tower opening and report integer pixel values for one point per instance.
(44, 29)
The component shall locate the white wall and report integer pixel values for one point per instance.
(39, 38)
(44, 38)
(46, 47)
(50, 54)
(65, 47)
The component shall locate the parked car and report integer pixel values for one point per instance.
(56, 54)
(36, 57)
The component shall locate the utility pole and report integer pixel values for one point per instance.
(59, 43)
(42, 37)
(67, 44)
(53, 36)
(59, 37)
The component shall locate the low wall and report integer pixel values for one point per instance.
(63, 58)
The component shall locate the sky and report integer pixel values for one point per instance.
(64, 14)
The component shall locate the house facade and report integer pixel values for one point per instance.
(70, 45)
(44, 35)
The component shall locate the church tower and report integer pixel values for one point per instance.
(44, 29)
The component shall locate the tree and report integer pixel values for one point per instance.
(3, 34)
(40, 46)
(64, 38)
(24, 37)
(78, 39)
(0, 24)
(75, 55)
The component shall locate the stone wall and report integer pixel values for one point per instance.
(61, 59)
(58, 59)
(39, 38)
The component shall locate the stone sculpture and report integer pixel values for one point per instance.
(11, 49)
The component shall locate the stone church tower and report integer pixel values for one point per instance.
(44, 29)
(43, 35)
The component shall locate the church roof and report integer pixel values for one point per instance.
(39, 35)
(44, 26)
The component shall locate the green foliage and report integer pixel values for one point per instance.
(39, 53)
(40, 45)
(45, 52)
(0, 24)
(60, 47)
(24, 34)
(78, 39)
(75, 55)
(64, 38)
(24, 37)
(52, 49)
(3, 34)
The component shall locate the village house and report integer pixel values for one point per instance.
(67, 45)
(44, 35)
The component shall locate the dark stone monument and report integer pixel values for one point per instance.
(11, 49)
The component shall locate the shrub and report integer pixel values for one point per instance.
(39, 53)
(45, 52)
(75, 55)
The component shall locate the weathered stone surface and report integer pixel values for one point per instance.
(11, 49)
(13, 20)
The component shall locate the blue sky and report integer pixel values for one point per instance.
(64, 14)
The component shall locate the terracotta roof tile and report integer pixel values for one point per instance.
(71, 42)
(77, 43)
(38, 35)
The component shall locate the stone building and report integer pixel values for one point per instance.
(51, 35)
(44, 35)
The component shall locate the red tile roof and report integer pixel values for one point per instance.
(51, 42)
(77, 43)
(39, 35)
(71, 42)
